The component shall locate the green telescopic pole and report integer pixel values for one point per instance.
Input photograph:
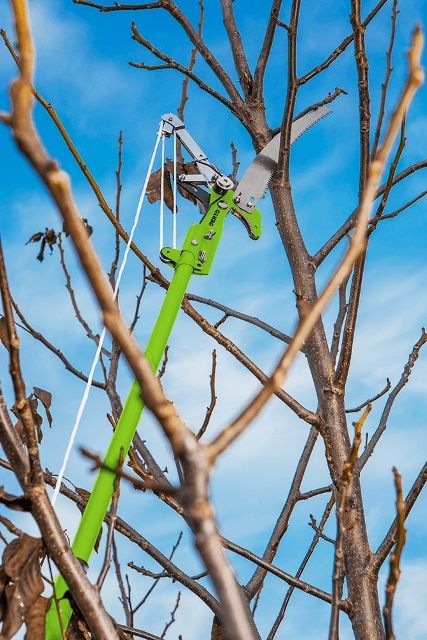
(195, 257)
(102, 491)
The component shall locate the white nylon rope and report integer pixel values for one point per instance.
(162, 197)
(174, 192)
(103, 334)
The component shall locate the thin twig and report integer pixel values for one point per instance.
(123, 595)
(394, 214)
(211, 407)
(394, 573)
(413, 357)
(386, 81)
(57, 352)
(389, 541)
(341, 47)
(283, 575)
(172, 616)
(232, 313)
(371, 400)
(115, 262)
(302, 566)
(118, 471)
(157, 577)
(72, 295)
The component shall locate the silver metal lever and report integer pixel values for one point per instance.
(171, 124)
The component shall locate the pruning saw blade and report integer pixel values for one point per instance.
(254, 182)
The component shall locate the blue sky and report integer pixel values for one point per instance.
(82, 68)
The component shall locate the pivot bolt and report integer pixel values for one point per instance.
(195, 242)
(222, 204)
(223, 184)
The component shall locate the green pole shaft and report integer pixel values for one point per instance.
(195, 257)
(102, 491)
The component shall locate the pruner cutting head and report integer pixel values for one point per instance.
(242, 200)
(257, 176)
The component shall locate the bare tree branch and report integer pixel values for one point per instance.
(237, 49)
(371, 400)
(390, 539)
(413, 357)
(40, 338)
(211, 407)
(388, 72)
(394, 574)
(340, 48)
(318, 534)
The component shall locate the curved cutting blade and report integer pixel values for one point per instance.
(255, 180)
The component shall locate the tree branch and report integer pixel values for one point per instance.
(171, 63)
(413, 357)
(390, 538)
(371, 400)
(340, 48)
(237, 49)
(394, 574)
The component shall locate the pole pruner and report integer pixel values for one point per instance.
(217, 197)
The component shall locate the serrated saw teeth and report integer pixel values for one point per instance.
(255, 181)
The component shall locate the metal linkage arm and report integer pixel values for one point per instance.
(209, 173)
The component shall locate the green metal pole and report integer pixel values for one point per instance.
(195, 257)
(102, 491)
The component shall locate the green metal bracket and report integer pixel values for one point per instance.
(195, 257)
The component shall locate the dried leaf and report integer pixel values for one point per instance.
(46, 399)
(50, 236)
(33, 402)
(36, 237)
(3, 333)
(16, 503)
(35, 619)
(190, 169)
(21, 564)
(89, 229)
(77, 629)
(40, 255)
(154, 188)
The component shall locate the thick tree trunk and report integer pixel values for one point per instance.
(362, 590)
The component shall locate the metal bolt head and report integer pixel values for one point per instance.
(194, 242)
(224, 182)
(222, 204)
